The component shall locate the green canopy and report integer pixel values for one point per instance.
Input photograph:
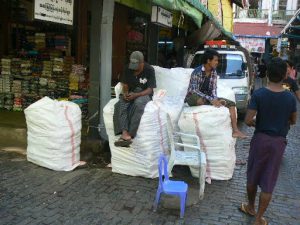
(179, 5)
(194, 9)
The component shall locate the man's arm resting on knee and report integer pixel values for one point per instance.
(147, 91)
(249, 119)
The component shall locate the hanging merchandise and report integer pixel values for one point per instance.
(78, 94)
(40, 66)
(16, 68)
(1, 100)
(5, 82)
(47, 69)
(6, 66)
(8, 101)
(16, 86)
(25, 87)
(26, 67)
(68, 63)
(40, 40)
(17, 102)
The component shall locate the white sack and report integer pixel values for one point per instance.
(175, 82)
(141, 158)
(53, 134)
(213, 126)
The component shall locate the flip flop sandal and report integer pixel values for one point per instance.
(265, 222)
(121, 142)
(243, 208)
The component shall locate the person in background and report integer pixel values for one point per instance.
(138, 82)
(262, 72)
(271, 111)
(203, 89)
(289, 83)
(291, 70)
(255, 67)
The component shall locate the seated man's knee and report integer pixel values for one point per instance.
(195, 100)
(201, 101)
(143, 100)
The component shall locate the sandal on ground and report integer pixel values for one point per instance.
(264, 221)
(121, 142)
(244, 208)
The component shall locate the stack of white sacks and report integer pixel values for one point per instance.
(54, 134)
(141, 158)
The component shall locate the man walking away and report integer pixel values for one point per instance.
(275, 110)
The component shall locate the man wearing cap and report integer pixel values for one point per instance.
(138, 81)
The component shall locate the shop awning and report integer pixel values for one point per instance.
(256, 30)
(195, 10)
(292, 29)
(241, 3)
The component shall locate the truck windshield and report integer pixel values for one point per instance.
(230, 65)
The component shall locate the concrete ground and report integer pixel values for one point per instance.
(30, 194)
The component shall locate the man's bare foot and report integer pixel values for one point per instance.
(260, 221)
(125, 135)
(245, 208)
(238, 134)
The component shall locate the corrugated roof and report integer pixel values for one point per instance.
(256, 30)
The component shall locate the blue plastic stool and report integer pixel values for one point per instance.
(169, 187)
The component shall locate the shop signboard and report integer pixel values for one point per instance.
(252, 44)
(58, 11)
(161, 16)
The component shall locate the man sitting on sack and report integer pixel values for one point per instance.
(138, 81)
(203, 89)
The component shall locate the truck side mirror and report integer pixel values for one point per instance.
(244, 66)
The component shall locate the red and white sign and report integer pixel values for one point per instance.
(252, 44)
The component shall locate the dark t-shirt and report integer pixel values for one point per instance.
(204, 87)
(290, 84)
(146, 79)
(273, 111)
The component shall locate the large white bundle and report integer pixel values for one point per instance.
(141, 158)
(53, 134)
(175, 82)
(213, 126)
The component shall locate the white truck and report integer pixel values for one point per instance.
(234, 70)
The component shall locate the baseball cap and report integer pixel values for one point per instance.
(136, 58)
